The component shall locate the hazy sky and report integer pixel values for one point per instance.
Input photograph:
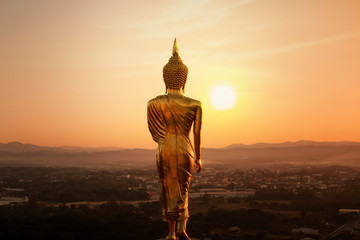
(81, 72)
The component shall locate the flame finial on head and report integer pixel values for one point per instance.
(175, 48)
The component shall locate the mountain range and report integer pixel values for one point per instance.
(234, 156)
(17, 147)
(300, 143)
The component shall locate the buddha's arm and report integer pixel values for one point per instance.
(197, 137)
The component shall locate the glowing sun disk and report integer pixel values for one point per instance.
(222, 97)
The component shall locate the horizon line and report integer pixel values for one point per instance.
(227, 146)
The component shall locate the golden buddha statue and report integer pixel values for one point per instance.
(170, 118)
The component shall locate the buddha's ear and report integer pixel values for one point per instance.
(183, 89)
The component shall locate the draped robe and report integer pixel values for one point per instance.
(169, 123)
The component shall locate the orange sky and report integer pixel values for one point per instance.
(81, 72)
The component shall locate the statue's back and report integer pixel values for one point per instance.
(170, 119)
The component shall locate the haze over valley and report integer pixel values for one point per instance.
(236, 155)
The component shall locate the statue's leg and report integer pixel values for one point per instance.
(171, 235)
(181, 230)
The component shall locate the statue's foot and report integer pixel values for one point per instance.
(183, 236)
(170, 237)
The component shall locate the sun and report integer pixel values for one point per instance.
(222, 97)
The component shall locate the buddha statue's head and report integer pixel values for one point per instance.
(175, 71)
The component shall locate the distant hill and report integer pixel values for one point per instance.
(234, 156)
(300, 143)
(17, 147)
(91, 149)
(346, 155)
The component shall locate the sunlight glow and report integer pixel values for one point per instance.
(222, 97)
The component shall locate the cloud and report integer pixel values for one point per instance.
(187, 16)
(300, 45)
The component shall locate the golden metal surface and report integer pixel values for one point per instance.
(175, 71)
(170, 118)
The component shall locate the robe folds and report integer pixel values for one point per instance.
(169, 123)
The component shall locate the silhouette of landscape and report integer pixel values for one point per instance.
(263, 191)
(236, 155)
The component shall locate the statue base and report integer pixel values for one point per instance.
(178, 238)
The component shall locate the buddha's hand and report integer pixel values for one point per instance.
(198, 165)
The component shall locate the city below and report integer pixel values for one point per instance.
(294, 199)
